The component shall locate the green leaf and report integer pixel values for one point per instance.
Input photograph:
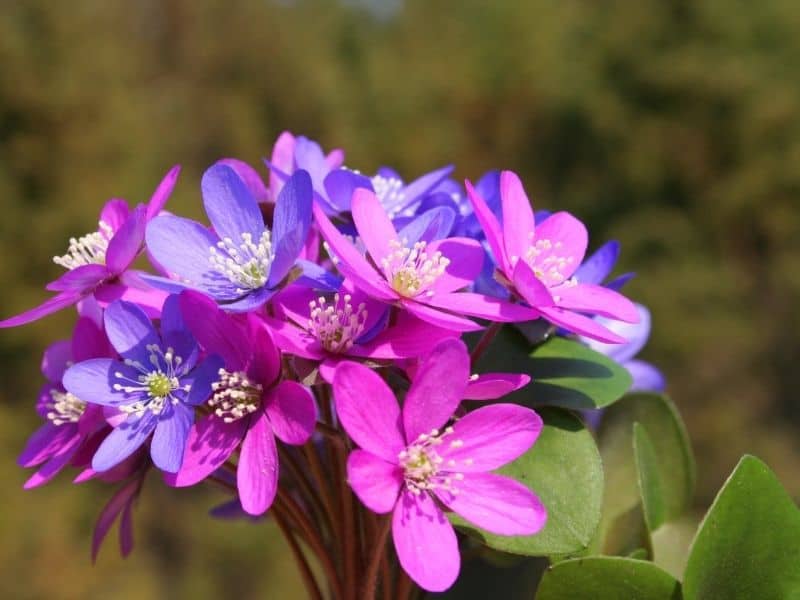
(607, 578)
(563, 469)
(748, 545)
(648, 478)
(565, 372)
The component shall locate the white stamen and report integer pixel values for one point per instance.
(235, 396)
(155, 383)
(411, 271)
(89, 249)
(247, 264)
(552, 268)
(389, 191)
(64, 408)
(425, 470)
(337, 325)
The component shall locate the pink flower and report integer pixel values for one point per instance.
(417, 461)
(538, 263)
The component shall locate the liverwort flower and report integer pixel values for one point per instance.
(422, 278)
(241, 263)
(98, 262)
(155, 386)
(415, 461)
(538, 262)
(251, 405)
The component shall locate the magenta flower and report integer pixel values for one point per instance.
(98, 262)
(423, 279)
(348, 324)
(416, 461)
(538, 263)
(250, 405)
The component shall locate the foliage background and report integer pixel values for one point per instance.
(671, 125)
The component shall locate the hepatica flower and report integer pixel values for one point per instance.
(416, 461)
(250, 405)
(240, 263)
(155, 386)
(420, 277)
(537, 263)
(97, 262)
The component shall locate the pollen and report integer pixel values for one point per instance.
(156, 383)
(245, 263)
(411, 271)
(548, 261)
(89, 249)
(235, 396)
(424, 467)
(64, 408)
(337, 325)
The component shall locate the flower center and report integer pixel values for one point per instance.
(389, 191)
(155, 383)
(336, 325)
(424, 469)
(247, 263)
(87, 250)
(235, 396)
(64, 408)
(413, 270)
(548, 262)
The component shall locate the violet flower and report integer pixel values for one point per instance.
(98, 262)
(250, 405)
(413, 462)
(155, 387)
(537, 263)
(424, 279)
(241, 263)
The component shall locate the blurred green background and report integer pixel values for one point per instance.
(671, 125)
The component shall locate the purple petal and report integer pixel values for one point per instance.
(47, 307)
(127, 242)
(595, 299)
(265, 366)
(635, 334)
(425, 542)
(114, 213)
(93, 381)
(498, 504)
(530, 288)
(203, 377)
(283, 159)
(249, 302)
(123, 441)
(169, 438)
(121, 498)
(214, 330)
(599, 265)
(45, 443)
(489, 386)
(484, 307)
(316, 277)
(518, 224)
(182, 247)
(162, 193)
(56, 358)
(229, 205)
(646, 377)
(408, 337)
(209, 444)
(374, 425)
(126, 530)
(130, 331)
(433, 224)
(340, 185)
(466, 262)
(440, 318)
(564, 229)
(291, 222)
(578, 323)
(291, 411)
(290, 338)
(437, 388)
(257, 471)
(80, 279)
(89, 340)
(375, 481)
(308, 155)
(490, 437)
(55, 464)
(373, 225)
(490, 226)
(175, 334)
(422, 185)
(249, 176)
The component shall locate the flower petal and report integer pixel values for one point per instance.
(433, 224)
(375, 481)
(489, 386)
(466, 261)
(290, 225)
(216, 331)
(408, 337)
(123, 441)
(257, 471)
(373, 225)
(130, 331)
(265, 365)
(54, 465)
(127, 241)
(374, 425)
(530, 287)
(229, 205)
(162, 193)
(596, 299)
(80, 279)
(56, 359)
(47, 307)
(487, 438)
(440, 318)
(491, 227)
(484, 307)
(425, 542)
(45, 443)
(437, 388)
(580, 324)
(249, 176)
(114, 213)
(498, 504)
(169, 439)
(569, 240)
(646, 377)
(340, 185)
(635, 334)
(599, 265)
(291, 411)
(182, 247)
(518, 223)
(93, 381)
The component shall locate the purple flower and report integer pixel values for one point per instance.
(70, 421)
(241, 263)
(414, 461)
(250, 405)
(424, 279)
(155, 386)
(348, 324)
(537, 263)
(98, 262)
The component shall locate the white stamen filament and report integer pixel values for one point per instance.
(337, 325)
(235, 396)
(425, 470)
(389, 191)
(551, 269)
(64, 408)
(247, 264)
(89, 249)
(411, 271)
(156, 382)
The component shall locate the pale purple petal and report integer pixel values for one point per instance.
(47, 307)
(437, 388)
(466, 261)
(203, 377)
(56, 358)
(484, 307)
(498, 504)
(580, 324)
(599, 265)
(373, 225)
(635, 334)
(518, 224)
(489, 386)
(162, 193)
(375, 481)
(491, 227)
(374, 425)
(229, 205)
(130, 331)
(433, 224)
(257, 471)
(249, 176)
(646, 377)
(291, 411)
(127, 242)
(123, 441)
(169, 438)
(596, 299)
(340, 185)
(93, 381)
(283, 159)
(316, 277)
(249, 302)
(488, 438)
(181, 246)
(425, 542)
(291, 222)
(422, 185)
(564, 229)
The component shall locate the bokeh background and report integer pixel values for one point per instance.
(671, 125)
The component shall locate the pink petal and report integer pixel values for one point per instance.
(597, 300)
(518, 224)
(283, 159)
(570, 233)
(529, 287)
(409, 337)
(291, 411)
(162, 193)
(425, 542)
(373, 224)
(216, 331)
(498, 504)
(466, 262)
(440, 318)
(290, 338)
(368, 410)
(265, 365)
(257, 472)
(56, 359)
(375, 481)
(114, 213)
(45, 443)
(437, 388)
(54, 465)
(484, 307)
(488, 438)
(490, 227)
(580, 324)
(489, 386)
